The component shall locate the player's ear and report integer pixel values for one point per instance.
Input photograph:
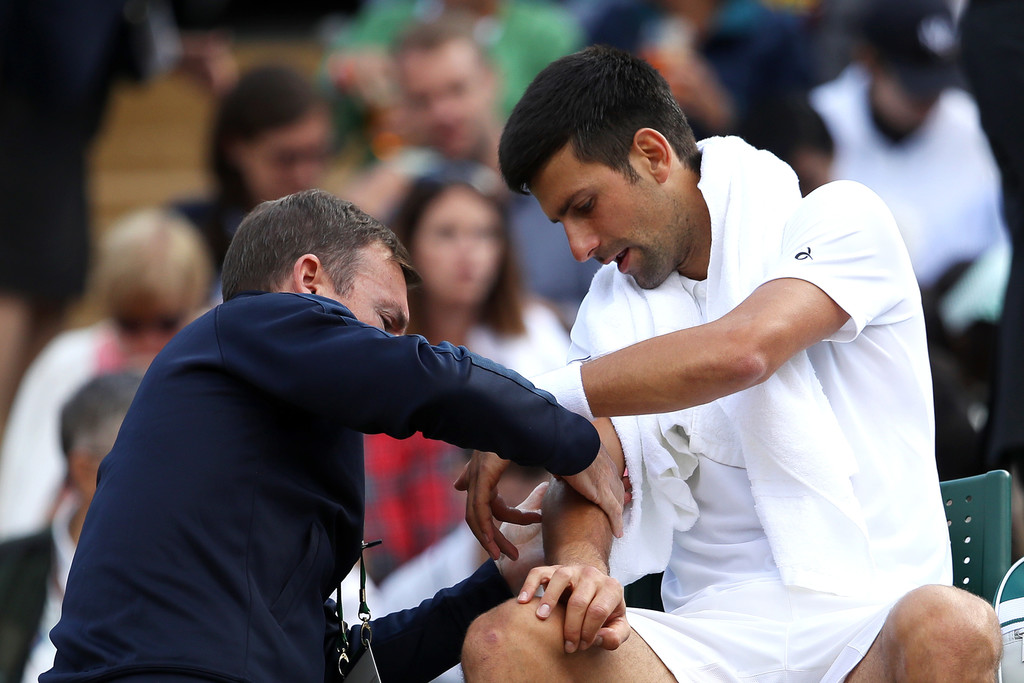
(651, 152)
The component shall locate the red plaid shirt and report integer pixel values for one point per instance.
(410, 500)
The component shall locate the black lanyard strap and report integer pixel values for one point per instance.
(365, 632)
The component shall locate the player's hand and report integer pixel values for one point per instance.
(595, 609)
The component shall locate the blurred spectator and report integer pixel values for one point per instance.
(993, 35)
(410, 500)
(450, 89)
(720, 57)
(34, 569)
(969, 313)
(271, 137)
(151, 277)
(903, 128)
(833, 28)
(792, 130)
(471, 296)
(58, 60)
(521, 37)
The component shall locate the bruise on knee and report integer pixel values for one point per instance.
(513, 629)
(510, 643)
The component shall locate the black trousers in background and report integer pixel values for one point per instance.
(992, 34)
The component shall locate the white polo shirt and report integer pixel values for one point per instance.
(728, 615)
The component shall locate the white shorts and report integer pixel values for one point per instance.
(762, 633)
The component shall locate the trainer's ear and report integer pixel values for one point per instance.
(307, 275)
(652, 153)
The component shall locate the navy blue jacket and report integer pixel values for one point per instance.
(232, 502)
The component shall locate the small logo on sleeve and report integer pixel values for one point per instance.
(803, 255)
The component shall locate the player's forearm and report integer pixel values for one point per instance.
(700, 364)
(671, 372)
(575, 530)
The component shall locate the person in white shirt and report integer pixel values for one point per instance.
(762, 359)
(903, 126)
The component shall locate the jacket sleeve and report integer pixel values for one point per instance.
(421, 643)
(313, 354)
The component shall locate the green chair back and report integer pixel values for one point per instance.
(978, 517)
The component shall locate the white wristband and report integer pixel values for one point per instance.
(566, 385)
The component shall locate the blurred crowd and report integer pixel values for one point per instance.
(410, 97)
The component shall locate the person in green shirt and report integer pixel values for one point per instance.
(521, 37)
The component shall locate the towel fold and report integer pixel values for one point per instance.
(783, 430)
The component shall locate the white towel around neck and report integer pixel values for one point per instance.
(797, 458)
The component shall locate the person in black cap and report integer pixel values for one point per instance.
(904, 127)
(915, 42)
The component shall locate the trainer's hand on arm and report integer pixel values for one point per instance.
(601, 484)
(483, 504)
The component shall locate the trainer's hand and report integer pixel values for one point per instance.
(602, 484)
(483, 504)
(595, 611)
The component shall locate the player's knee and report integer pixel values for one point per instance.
(495, 639)
(978, 630)
(948, 629)
(484, 644)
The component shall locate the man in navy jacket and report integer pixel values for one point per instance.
(232, 502)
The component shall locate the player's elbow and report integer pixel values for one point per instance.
(754, 354)
(750, 365)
